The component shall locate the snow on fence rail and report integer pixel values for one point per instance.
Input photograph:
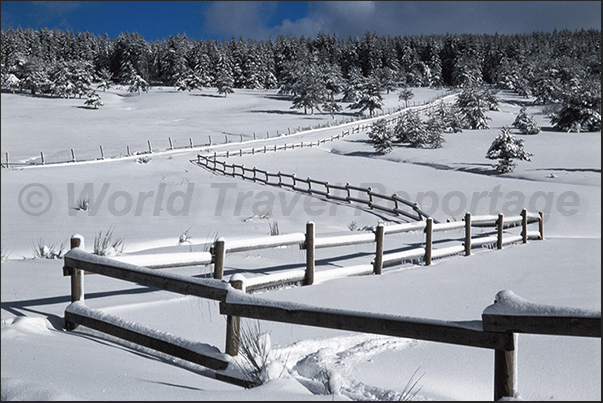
(496, 331)
(309, 242)
(42, 160)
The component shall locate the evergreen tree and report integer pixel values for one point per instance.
(435, 136)
(526, 124)
(411, 130)
(580, 110)
(353, 87)
(369, 98)
(333, 84)
(472, 104)
(448, 117)
(381, 136)
(11, 82)
(224, 83)
(406, 94)
(507, 148)
(94, 100)
(309, 89)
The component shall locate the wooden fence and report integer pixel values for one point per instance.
(496, 331)
(43, 160)
(398, 206)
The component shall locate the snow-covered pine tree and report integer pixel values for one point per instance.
(526, 124)
(580, 109)
(12, 82)
(381, 137)
(369, 98)
(333, 83)
(405, 94)
(472, 106)
(309, 89)
(435, 137)
(507, 148)
(353, 88)
(410, 129)
(189, 81)
(224, 83)
(448, 117)
(94, 100)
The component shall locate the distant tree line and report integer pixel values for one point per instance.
(557, 67)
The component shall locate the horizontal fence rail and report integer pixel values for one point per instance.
(496, 331)
(364, 196)
(492, 333)
(310, 242)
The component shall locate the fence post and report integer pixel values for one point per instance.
(541, 224)
(379, 238)
(219, 252)
(499, 226)
(428, 240)
(233, 323)
(150, 148)
(102, 153)
(309, 277)
(190, 140)
(505, 366)
(128, 150)
(72, 155)
(209, 140)
(524, 226)
(6, 159)
(77, 278)
(42, 156)
(77, 275)
(171, 144)
(467, 234)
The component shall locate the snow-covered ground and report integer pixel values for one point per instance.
(153, 205)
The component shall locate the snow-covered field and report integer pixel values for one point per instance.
(151, 205)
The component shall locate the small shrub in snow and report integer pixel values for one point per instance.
(44, 251)
(274, 228)
(507, 148)
(184, 238)
(3, 254)
(526, 124)
(106, 245)
(83, 204)
(410, 389)
(143, 160)
(254, 352)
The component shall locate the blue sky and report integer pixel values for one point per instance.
(267, 19)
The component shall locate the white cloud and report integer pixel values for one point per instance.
(245, 18)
